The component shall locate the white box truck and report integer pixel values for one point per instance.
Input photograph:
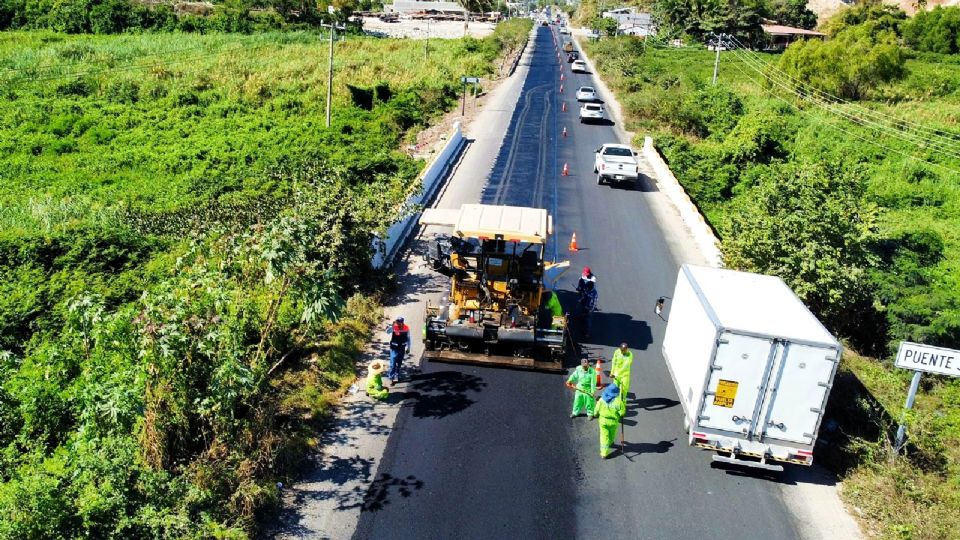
(752, 366)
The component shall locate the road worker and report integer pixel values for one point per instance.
(400, 344)
(375, 387)
(587, 281)
(583, 382)
(620, 372)
(609, 411)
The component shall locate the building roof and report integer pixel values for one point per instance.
(513, 223)
(781, 30)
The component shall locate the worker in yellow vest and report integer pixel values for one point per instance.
(620, 372)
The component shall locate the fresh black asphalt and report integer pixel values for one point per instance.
(491, 453)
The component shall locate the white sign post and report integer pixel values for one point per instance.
(921, 358)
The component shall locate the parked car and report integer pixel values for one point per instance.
(586, 93)
(578, 66)
(572, 55)
(591, 112)
(564, 31)
(616, 163)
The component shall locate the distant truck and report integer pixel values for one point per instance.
(567, 46)
(752, 366)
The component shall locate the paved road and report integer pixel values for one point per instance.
(491, 453)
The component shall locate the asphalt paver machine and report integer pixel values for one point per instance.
(499, 310)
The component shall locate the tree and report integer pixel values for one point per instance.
(876, 16)
(850, 65)
(604, 25)
(934, 31)
(792, 13)
(699, 18)
(808, 224)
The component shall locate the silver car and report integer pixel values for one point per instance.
(586, 93)
(591, 112)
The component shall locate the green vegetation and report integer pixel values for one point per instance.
(856, 210)
(184, 263)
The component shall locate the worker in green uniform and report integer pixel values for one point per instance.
(552, 309)
(620, 373)
(609, 412)
(583, 382)
(375, 387)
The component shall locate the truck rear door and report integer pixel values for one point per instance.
(736, 383)
(801, 384)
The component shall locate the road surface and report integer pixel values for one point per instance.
(492, 453)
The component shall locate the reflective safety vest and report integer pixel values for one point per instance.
(400, 337)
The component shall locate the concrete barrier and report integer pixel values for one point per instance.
(432, 177)
(703, 235)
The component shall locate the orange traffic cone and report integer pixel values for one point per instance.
(573, 243)
(600, 372)
(564, 131)
(561, 76)
(563, 107)
(566, 172)
(561, 88)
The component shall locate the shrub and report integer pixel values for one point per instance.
(850, 65)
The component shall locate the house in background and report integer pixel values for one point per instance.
(424, 6)
(780, 36)
(630, 22)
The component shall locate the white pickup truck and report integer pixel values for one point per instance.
(616, 163)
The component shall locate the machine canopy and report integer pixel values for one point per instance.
(512, 223)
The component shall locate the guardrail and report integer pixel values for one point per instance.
(702, 233)
(516, 61)
(432, 177)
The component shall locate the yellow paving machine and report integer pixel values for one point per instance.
(500, 310)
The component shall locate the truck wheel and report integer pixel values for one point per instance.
(599, 180)
(595, 171)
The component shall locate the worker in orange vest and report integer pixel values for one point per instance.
(400, 345)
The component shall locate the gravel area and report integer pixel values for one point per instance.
(418, 28)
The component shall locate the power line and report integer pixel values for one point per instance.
(924, 130)
(861, 138)
(908, 137)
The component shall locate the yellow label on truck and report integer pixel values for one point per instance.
(726, 393)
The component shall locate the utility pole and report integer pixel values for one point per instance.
(426, 42)
(333, 29)
(718, 45)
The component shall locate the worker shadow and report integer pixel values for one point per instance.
(634, 406)
(634, 449)
(439, 394)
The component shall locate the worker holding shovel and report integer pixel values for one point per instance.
(583, 382)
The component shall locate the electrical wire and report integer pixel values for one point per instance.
(907, 137)
(924, 130)
(854, 135)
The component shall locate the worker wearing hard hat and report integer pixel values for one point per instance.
(609, 411)
(620, 372)
(583, 382)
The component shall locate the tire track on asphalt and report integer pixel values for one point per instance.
(506, 176)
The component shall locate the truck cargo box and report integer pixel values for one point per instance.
(752, 365)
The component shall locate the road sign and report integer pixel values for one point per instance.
(930, 359)
(922, 358)
(469, 80)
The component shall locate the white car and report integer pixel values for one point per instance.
(578, 66)
(564, 31)
(616, 163)
(591, 112)
(586, 93)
